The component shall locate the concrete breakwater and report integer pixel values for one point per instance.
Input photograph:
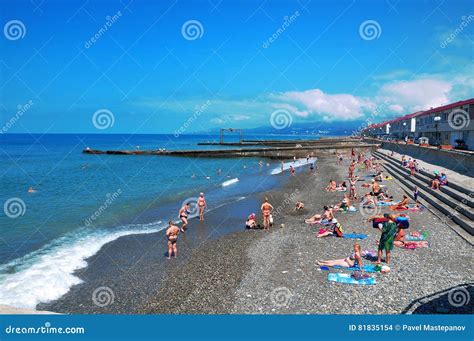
(269, 152)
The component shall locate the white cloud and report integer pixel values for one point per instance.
(414, 95)
(329, 107)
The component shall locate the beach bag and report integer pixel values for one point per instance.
(338, 230)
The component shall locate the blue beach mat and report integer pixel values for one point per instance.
(414, 239)
(385, 203)
(366, 268)
(347, 279)
(355, 236)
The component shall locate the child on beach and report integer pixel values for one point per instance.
(172, 235)
(348, 262)
(251, 222)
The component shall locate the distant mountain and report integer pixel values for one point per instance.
(345, 128)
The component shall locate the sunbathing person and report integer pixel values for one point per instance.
(251, 222)
(323, 218)
(435, 183)
(342, 187)
(299, 206)
(348, 262)
(335, 229)
(343, 205)
(402, 205)
(367, 201)
(332, 186)
(443, 179)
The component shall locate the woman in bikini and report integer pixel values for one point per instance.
(323, 218)
(332, 186)
(202, 206)
(352, 191)
(266, 209)
(402, 205)
(183, 215)
(348, 262)
(172, 236)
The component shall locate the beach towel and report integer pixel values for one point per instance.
(366, 268)
(419, 238)
(385, 203)
(347, 279)
(414, 245)
(355, 236)
(415, 208)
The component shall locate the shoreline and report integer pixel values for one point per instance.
(241, 271)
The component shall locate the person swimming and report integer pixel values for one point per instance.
(31, 190)
(202, 206)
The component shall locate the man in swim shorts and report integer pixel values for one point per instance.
(172, 235)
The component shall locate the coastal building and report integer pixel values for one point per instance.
(451, 124)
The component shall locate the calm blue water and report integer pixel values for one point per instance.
(84, 201)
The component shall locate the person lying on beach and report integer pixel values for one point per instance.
(402, 205)
(343, 205)
(202, 206)
(266, 209)
(172, 235)
(323, 218)
(299, 206)
(335, 229)
(367, 201)
(332, 186)
(348, 262)
(342, 187)
(183, 216)
(378, 177)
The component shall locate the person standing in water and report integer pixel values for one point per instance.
(267, 209)
(202, 206)
(172, 235)
(183, 215)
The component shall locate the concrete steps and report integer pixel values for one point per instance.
(459, 191)
(452, 201)
(450, 207)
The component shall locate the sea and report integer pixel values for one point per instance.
(80, 202)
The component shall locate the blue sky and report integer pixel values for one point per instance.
(320, 64)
